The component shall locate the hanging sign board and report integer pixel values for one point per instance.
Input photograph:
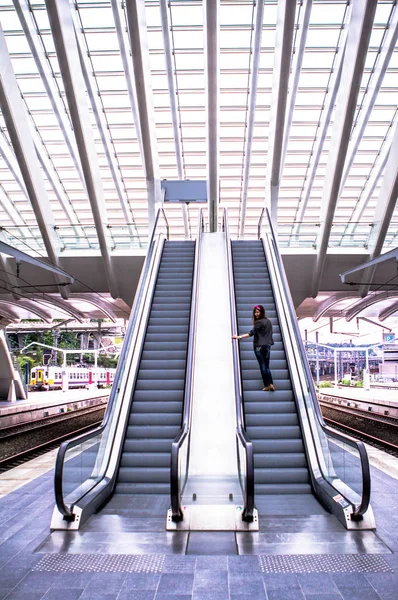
(179, 190)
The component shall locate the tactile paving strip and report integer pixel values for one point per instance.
(324, 563)
(106, 563)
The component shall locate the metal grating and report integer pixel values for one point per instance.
(97, 563)
(324, 563)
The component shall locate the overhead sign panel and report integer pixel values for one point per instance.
(179, 190)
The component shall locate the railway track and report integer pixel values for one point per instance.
(20, 458)
(20, 443)
(393, 421)
(374, 431)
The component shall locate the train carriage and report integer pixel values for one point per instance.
(45, 378)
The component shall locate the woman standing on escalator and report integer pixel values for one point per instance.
(262, 342)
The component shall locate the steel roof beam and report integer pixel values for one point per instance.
(389, 311)
(384, 210)
(330, 302)
(8, 314)
(281, 71)
(30, 306)
(105, 307)
(124, 47)
(24, 12)
(99, 115)
(171, 75)
(61, 22)
(383, 59)
(305, 15)
(16, 121)
(62, 305)
(358, 38)
(366, 302)
(136, 19)
(211, 25)
(252, 93)
(326, 116)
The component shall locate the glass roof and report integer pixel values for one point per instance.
(298, 218)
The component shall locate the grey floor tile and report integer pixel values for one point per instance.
(212, 542)
(112, 582)
(72, 580)
(212, 563)
(179, 564)
(288, 594)
(138, 595)
(321, 596)
(245, 583)
(141, 581)
(38, 581)
(210, 580)
(4, 592)
(354, 581)
(63, 594)
(261, 595)
(243, 564)
(210, 595)
(10, 577)
(277, 581)
(25, 595)
(173, 597)
(350, 594)
(316, 582)
(176, 584)
(103, 595)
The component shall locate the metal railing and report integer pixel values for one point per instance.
(298, 355)
(180, 447)
(242, 439)
(112, 413)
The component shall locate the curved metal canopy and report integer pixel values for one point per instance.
(289, 103)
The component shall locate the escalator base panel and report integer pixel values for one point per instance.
(323, 563)
(212, 518)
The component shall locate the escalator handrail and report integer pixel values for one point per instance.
(75, 441)
(241, 432)
(360, 510)
(175, 487)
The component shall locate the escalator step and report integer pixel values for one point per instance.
(144, 475)
(283, 489)
(281, 476)
(274, 432)
(131, 489)
(271, 419)
(146, 459)
(155, 419)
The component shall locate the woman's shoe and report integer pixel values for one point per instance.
(272, 388)
(266, 389)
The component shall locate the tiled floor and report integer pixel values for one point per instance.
(199, 566)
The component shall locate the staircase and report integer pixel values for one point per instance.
(157, 404)
(271, 417)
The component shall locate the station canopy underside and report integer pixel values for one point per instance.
(285, 104)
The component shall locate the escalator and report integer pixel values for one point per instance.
(156, 408)
(296, 456)
(271, 417)
(130, 453)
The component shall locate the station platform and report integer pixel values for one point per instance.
(386, 396)
(125, 552)
(42, 399)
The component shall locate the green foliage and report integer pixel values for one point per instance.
(107, 362)
(22, 360)
(325, 384)
(359, 383)
(345, 382)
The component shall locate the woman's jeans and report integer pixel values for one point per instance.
(263, 355)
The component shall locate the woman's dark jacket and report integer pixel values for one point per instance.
(262, 332)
